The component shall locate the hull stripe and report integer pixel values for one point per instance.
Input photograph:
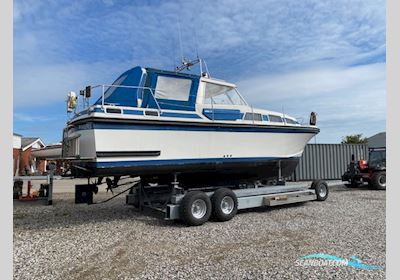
(128, 154)
(188, 127)
(186, 161)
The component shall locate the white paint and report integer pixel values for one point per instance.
(37, 144)
(191, 144)
(16, 141)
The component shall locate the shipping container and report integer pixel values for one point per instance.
(327, 161)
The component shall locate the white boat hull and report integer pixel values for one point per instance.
(165, 149)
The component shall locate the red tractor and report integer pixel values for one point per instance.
(373, 172)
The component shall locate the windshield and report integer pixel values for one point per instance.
(220, 94)
(377, 158)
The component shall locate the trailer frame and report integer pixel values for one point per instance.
(167, 200)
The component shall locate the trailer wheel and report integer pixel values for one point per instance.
(378, 180)
(224, 204)
(321, 189)
(195, 208)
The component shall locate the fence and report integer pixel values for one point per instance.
(327, 161)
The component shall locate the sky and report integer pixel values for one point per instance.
(288, 56)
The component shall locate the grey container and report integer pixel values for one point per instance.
(327, 161)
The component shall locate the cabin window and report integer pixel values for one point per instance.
(113, 88)
(290, 121)
(220, 94)
(173, 88)
(273, 118)
(253, 116)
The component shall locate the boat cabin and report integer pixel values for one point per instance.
(168, 90)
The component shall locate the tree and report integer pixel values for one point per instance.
(354, 139)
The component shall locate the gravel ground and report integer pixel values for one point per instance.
(114, 241)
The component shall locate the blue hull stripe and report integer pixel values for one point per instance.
(186, 161)
(179, 115)
(133, 112)
(139, 112)
(160, 126)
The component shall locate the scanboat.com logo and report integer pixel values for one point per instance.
(330, 260)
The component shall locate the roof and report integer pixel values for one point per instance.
(16, 134)
(173, 73)
(27, 142)
(377, 141)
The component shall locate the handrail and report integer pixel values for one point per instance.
(241, 97)
(133, 87)
(212, 108)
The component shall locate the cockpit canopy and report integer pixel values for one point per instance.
(152, 88)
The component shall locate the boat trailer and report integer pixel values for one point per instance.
(196, 206)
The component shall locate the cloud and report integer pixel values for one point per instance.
(323, 47)
(28, 118)
(347, 100)
(41, 85)
(315, 82)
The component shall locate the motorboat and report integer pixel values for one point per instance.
(173, 125)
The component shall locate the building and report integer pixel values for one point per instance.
(377, 141)
(24, 161)
(17, 139)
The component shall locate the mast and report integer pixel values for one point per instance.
(186, 64)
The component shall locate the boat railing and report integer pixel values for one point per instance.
(103, 89)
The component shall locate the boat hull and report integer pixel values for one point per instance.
(199, 154)
(195, 172)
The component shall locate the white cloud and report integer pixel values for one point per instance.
(40, 85)
(299, 51)
(347, 100)
(28, 118)
(314, 82)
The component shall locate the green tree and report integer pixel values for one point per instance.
(354, 139)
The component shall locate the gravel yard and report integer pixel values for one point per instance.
(114, 241)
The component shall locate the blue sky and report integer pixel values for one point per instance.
(296, 56)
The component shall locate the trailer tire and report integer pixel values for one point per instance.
(224, 204)
(195, 208)
(378, 180)
(321, 189)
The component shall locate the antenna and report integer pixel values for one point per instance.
(195, 44)
(205, 65)
(186, 64)
(180, 39)
(174, 52)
